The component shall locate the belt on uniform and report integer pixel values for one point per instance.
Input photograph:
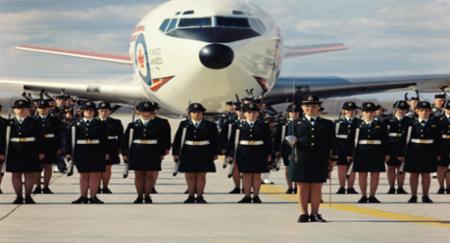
(444, 136)
(23, 140)
(251, 142)
(422, 141)
(342, 136)
(370, 142)
(88, 141)
(113, 137)
(145, 141)
(395, 135)
(197, 143)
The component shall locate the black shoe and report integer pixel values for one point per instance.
(413, 199)
(37, 190)
(95, 200)
(441, 191)
(99, 191)
(317, 218)
(351, 190)
(246, 200)
(148, 200)
(373, 199)
(106, 190)
(139, 200)
(81, 200)
(47, 190)
(341, 191)
(29, 200)
(242, 191)
(400, 190)
(391, 191)
(190, 200)
(290, 191)
(200, 200)
(154, 191)
(304, 218)
(426, 199)
(19, 200)
(363, 199)
(1, 192)
(295, 190)
(256, 200)
(235, 191)
(447, 190)
(187, 191)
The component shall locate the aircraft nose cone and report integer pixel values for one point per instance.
(216, 56)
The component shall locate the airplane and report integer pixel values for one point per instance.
(211, 51)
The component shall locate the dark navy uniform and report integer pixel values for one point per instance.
(52, 128)
(422, 151)
(3, 124)
(226, 132)
(148, 145)
(255, 146)
(25, 145)
(372, 147)
(315, 141)
(200, 147)
(344, 144)
(396, 143)
(90, 145)
(444, 145)
(167, 133)
(280, 142)
(114, 131)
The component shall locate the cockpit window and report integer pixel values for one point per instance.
(164, 25)
(195, 22)
(237, 12)
(188, 12)
(232, 22)
(257, 25)
(172, 25)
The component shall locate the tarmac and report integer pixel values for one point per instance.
(55, 219)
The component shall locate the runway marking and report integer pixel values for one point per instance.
(375, 213)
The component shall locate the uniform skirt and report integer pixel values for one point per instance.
(369, 158)
(252, 159)
(197, 159)
(145, 157)
(113, 152)
(23, 158)
(310, 167)
(420, 158)
(89, 158)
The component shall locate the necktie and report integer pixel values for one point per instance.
(423, 123)
(313, 121)
(196, 124)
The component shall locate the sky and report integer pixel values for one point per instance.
(385, 37)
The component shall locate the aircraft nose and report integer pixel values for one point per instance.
(216, 56)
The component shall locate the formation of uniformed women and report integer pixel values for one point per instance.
(414, 139)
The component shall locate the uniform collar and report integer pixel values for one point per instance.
(87, 120)
(102, 119)
(43, 117)
(309, 117)
(399, 118)
(368, 122)
(420, 120)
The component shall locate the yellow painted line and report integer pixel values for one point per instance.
(278, 191)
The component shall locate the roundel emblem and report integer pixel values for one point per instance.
(141, 60)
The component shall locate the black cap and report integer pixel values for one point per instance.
(63, 97)
(423, 105)
(20, 104)
(401, 105)
(229, 103)
(440, 96)
(196, 107)
(293, 108)
(312, 100)
(147, 106)
(250, 107)
(237, 105)
(88, 105)
(43, 104)
(349, 105)
(369, 106)
(415, 98)
(104, 105)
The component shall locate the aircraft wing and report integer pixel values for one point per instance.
(326, 87)
(121, 90)
(122, 59)
(296, 51)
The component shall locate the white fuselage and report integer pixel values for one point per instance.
(167, 55)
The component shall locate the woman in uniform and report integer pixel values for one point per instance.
(443, 175)
(371, 151)
(422, 151)
(196, 146)
(143, 148)
(254, 148)
(90, 152)
(25, 150)
(114, 132)
(310, 169)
